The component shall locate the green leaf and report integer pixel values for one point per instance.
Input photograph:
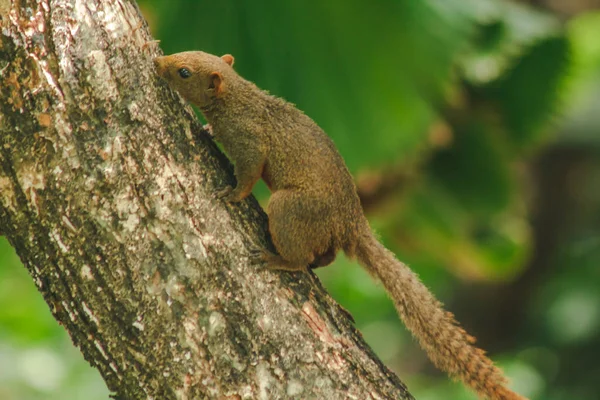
(475, 169)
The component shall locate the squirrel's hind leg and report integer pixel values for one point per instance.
(276, 262)
(299, 231)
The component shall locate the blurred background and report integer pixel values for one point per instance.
(473, 130)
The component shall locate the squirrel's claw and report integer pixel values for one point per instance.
(224, 193)
(257, 256)
(230, 195)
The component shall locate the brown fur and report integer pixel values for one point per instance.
(314, 210)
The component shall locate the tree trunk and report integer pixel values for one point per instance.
(106, 193)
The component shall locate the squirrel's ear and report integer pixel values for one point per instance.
(216, 81)
(228, 58)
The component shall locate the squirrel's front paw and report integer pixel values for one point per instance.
(224, 193)
(230, 195)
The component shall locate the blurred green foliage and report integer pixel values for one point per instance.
(489, 110)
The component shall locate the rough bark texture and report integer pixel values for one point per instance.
(106, 192)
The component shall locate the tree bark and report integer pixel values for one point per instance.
(106, 193)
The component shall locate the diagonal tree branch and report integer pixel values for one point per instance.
(106, 192)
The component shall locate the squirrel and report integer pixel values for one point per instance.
(314, 209)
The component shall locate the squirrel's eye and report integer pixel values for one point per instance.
(184, 73)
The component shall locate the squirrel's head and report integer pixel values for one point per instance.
(199, 77)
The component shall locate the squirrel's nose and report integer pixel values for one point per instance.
(159, 65)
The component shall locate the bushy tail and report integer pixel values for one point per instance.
(448, 346)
